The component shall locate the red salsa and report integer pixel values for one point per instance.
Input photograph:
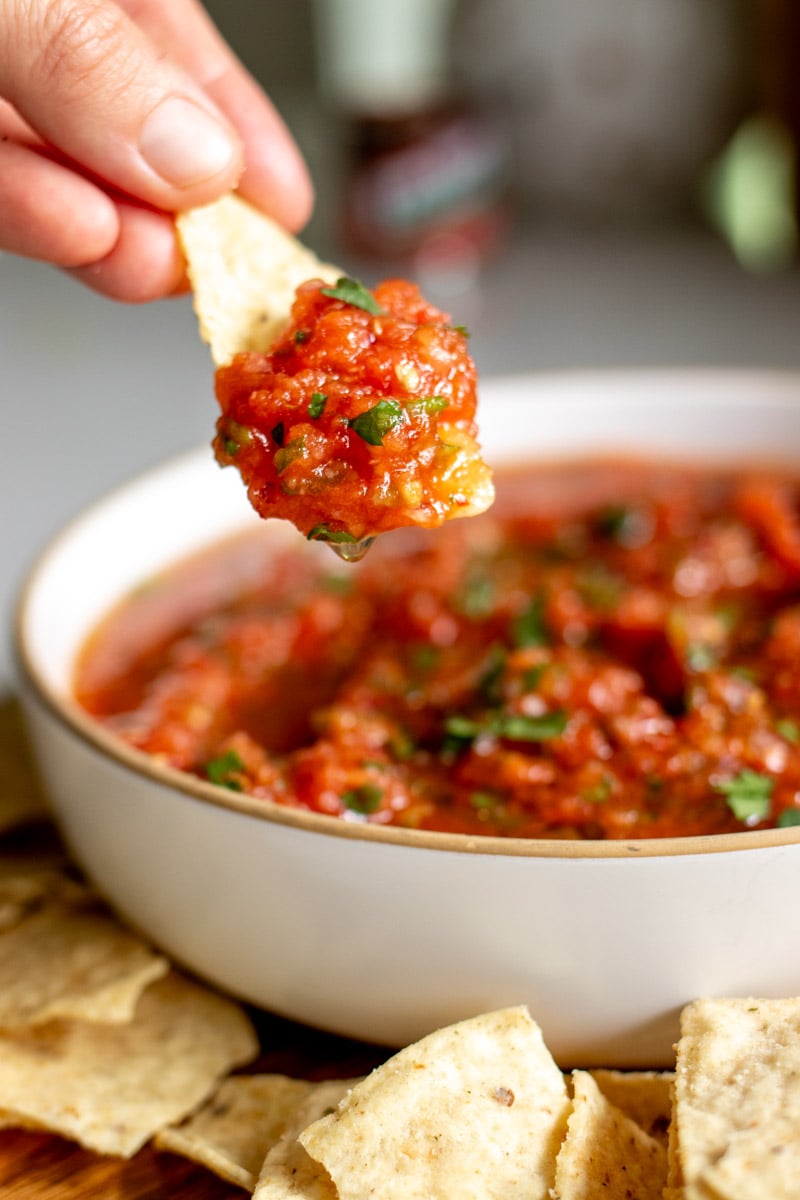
(360, 419)
(612, 652)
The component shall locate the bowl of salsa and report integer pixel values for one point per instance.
(546, 755)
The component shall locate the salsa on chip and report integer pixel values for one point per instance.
(350, 415)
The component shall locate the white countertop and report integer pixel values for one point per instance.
(95, 392)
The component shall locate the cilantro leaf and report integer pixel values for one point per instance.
(788, 729)
(515, 726)
(287, 454)
(364, 800)
(317, 406)
(221, 769)
(353, 292)
(234, 436)
(529, 628)
(324, 533)
(373, 425)
(429, 404)
(747, 794)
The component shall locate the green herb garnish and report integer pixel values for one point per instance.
(302, 335)
(529, 628)
(221, 770)
(402, 745)
(788, 729)
(610, 522)
(788, 818)
(700, 657)
(533, 677)
(234, 436)
(353, 292)
(373, 425)
(484, 800)
(488, 685)
(747, 794)
(287, 454)
(429, 404)
(514, 726)
(317, 406)
(600, 588)
(475, 597)
(364, 800)
(324, 533)
(424, 657)
(600, 792)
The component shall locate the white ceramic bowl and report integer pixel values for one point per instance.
(384, 934)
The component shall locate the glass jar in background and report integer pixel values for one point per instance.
(424, 175)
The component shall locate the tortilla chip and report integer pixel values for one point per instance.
(112, 1087)
(24, 889)
(244, 270)
(762, 1164)
(232, 1133)
(737, 1099)
(62, 963)
(21, 798)
(288, 1171)
(605, 1152)
(644, 1096)
(475, 1109)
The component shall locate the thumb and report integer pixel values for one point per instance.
(87, 80)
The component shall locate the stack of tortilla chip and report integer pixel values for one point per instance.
(101, 1041)
(737, 1101)
(475, 1111)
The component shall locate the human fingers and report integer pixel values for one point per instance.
(275, 176)
(49, 212)
(144, 262)
(88, 80)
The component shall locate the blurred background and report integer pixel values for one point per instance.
(586, 184)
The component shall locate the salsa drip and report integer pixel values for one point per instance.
(612, 652)
(360, 419)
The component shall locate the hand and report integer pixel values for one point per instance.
(113, 116)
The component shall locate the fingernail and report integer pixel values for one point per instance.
(185, 144)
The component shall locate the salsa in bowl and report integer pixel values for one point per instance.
(610, 653)
(547, 755)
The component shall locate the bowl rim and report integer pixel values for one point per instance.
(103, 743)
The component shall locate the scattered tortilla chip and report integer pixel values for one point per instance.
(62, 963)
(477, 1109)
(644, 1096)
(24, 889)
(244, 270)
(737, 1099)
(112, 1087)
(232, 1133)
(605, 1152)
(21, 798)
(288, 1171)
